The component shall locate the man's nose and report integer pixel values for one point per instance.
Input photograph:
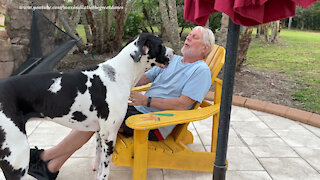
(188, 38)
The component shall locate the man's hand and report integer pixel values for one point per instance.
(137, 99)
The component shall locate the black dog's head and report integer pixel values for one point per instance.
(150, 48)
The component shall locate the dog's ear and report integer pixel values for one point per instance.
(145, 50)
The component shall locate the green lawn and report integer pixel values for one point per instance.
(297, 54)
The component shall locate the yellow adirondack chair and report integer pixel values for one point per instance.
(173, 152)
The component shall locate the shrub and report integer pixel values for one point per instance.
(133, 24)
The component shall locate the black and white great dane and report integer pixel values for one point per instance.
(90, 99)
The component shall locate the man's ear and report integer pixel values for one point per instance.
(206, 48)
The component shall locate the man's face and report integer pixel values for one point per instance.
(193, 45)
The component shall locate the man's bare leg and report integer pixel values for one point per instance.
(59, 154)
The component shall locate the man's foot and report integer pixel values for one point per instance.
(35, 155)
(38, 168)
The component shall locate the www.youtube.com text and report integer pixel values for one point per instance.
(94, 7)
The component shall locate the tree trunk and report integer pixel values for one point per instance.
(174, 21)
(222, 36)
(63, 18)
(170, 23)
(166, 26)
(258, 31)
(243, 46)
(266, 32)
(162, 33)
(91, 23)
(100, 24)
(99, 27)
(120, 14)
(302, 25)
(275, 31)
(84, 22)
(108, 16)
(76, 14)
(130, 4)
(262, 29)
(290, 22)
(146, 15)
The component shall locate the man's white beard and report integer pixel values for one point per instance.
(188, 52)
(185, 52)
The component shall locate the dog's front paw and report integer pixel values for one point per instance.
(96, 163)
(102, 174)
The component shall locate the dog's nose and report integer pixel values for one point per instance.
(163, 65)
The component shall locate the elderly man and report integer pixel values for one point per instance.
(184, 82)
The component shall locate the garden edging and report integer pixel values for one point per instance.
(306, 117)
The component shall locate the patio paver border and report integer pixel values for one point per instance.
(306, 117)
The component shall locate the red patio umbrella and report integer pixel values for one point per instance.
(242, 12)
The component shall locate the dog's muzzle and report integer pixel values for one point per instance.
(169, 54)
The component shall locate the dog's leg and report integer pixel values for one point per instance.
(108, 133)
(106, 154)
(14, 150)
(98, 151)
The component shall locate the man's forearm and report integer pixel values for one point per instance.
(143, 80)
(170, 103)
(180, 103)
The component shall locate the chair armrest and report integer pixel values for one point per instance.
(170, 117)
(142, 88)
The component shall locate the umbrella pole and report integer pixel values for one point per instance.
(219, 172)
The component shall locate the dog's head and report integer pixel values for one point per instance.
(150, 49)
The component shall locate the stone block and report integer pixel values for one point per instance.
(239, 101)
(15, 40)
(276, 109)
(314, 120)
(6, 69)
(19, 54)
(5, 51)
(298, 115)
(255, 104)
(3, 34)
(20, 20)
(25, 41)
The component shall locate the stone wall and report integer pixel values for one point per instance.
(6, 55)
(1, 20)
(15, 39)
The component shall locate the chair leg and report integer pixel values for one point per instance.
(140, 154)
